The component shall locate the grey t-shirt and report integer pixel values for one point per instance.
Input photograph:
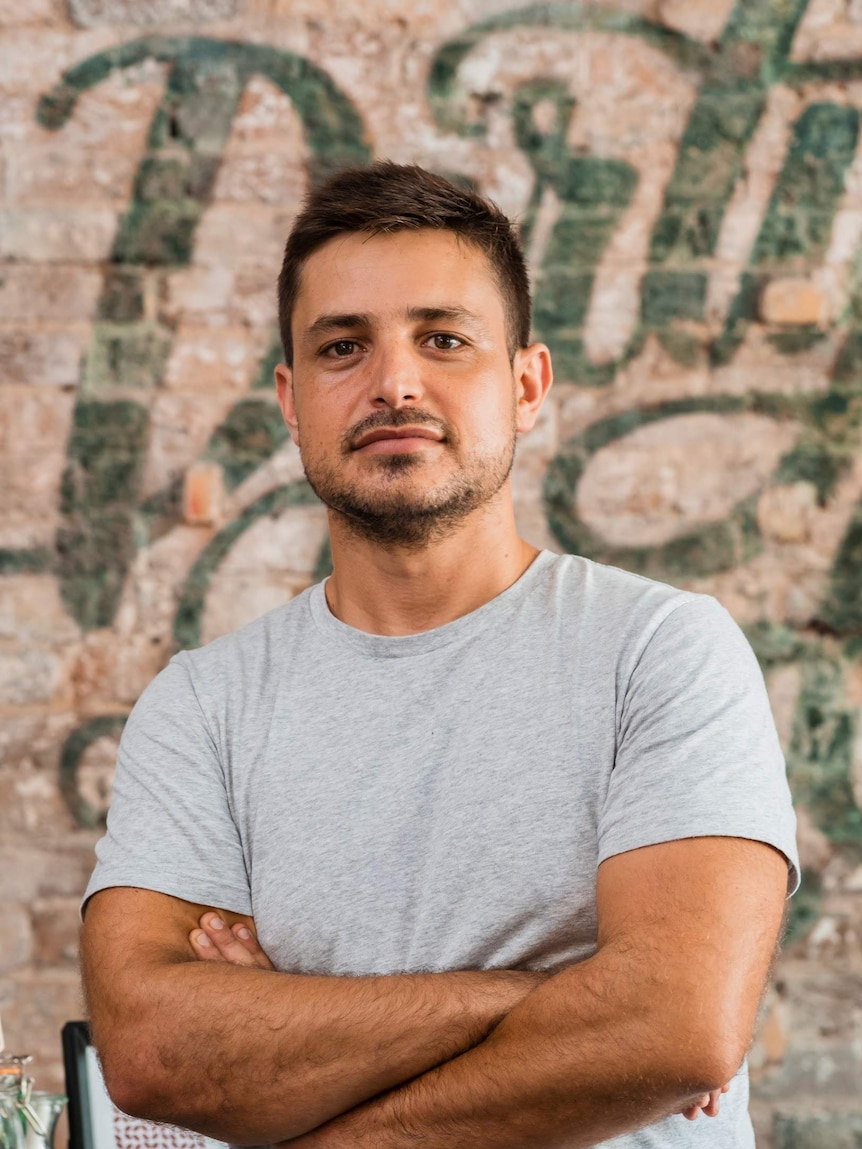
(442, 800)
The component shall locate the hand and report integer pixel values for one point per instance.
(708, 1104)
(237, 944)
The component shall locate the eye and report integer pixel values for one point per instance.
(341, 349)
(443, 342)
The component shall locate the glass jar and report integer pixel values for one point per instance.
(11, 1128)
(47, 1107)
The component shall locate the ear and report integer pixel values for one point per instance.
(533, 378)
(287, 399)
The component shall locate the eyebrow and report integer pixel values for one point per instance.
(453, 313)
(327, 323)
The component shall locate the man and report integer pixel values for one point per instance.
(512, 827)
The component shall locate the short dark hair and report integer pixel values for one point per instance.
(384, 198)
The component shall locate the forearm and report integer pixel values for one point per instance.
(659, 1016)
(584, 1058)
(252, 1056)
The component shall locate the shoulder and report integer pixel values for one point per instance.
(631, 619)
(253, 637)
(613, 599)
(248, 656)
(597, 584)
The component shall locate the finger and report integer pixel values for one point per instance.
(725, 1088)
(203, 948)
(712, 1103)
(693, 1111)
(228, 945)
(247, 938)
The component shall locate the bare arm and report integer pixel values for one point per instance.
(253, 1055)
(214, 941)
(661, 1014)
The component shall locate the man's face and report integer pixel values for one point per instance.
(404, 401)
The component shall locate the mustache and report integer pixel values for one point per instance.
(412, 417)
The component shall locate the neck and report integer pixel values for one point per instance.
(396, 591)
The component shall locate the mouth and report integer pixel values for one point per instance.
(395, 440)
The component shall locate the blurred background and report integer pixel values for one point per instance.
(688, 181)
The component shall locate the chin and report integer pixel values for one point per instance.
(399, 461)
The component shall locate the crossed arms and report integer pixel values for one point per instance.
(662, 1014)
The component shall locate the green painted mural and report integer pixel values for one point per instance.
(173, 186)
(106, 521)
(187, 622)
(593, 194)
(711, 548)
(752, 56)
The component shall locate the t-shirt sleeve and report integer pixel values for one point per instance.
(697, 751)
(170, 827)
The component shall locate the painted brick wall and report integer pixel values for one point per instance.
(688, 178)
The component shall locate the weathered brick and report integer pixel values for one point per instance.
(238, 234)
(30, 677)
(112, 670)
(266, 156)
(31, 805)
(835, 1131)
(181, 426)
(56, 924)
(213, 359)
(701, 19)
(51, 172)
(88, 13)
(35, 1005)
(123, 292)
(126, 355)
(250, 435)
(20, 869)
(57, 235)
(772, 1037)
(113, 116)
(267, 119)
(237, 600)
(53, 293)
(203, 494)
(199, 295)
(34, 12)
(651, 486)
(42, 358)
(793, 302)
(786, 513)
(270, 178)
(33, 425)
(28, 871)
(37, 418)
(94, 778)
(31, 610)
(16, 938)
(34, 737)
(253, 300)
(31, 64)
(29, 498)
(287, 545)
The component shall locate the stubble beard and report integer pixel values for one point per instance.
(387, 514)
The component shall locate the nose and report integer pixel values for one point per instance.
(395, 375)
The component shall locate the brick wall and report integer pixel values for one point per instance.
(688, 178)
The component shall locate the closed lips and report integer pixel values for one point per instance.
(397, 433)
